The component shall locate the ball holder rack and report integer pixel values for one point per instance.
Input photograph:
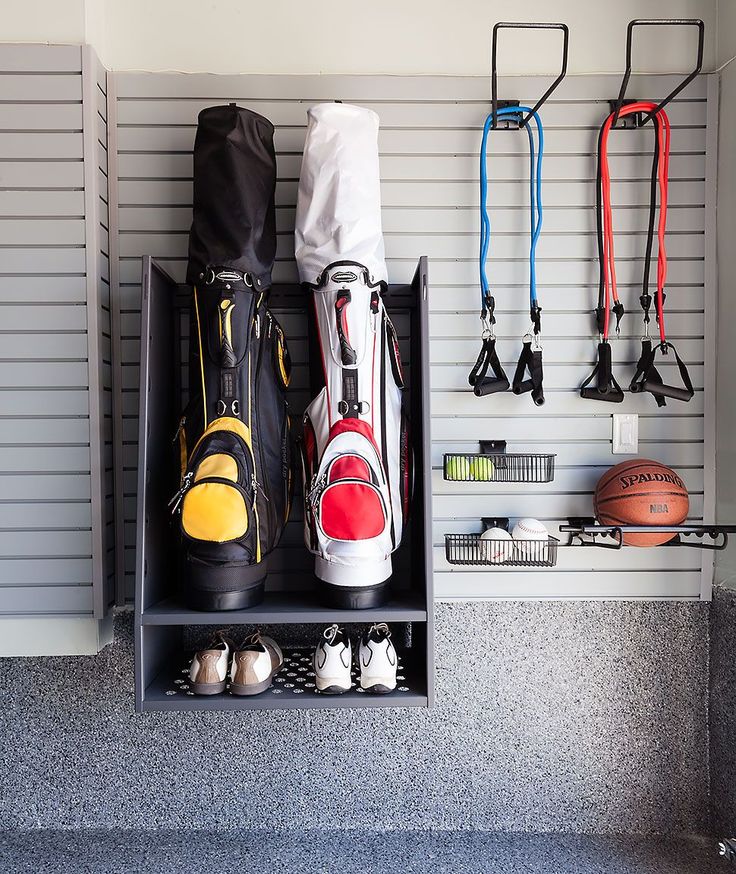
(471, 549)
(584, 531)
(494, 465)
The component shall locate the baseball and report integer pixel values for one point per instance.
(527, 532)
(495, 546)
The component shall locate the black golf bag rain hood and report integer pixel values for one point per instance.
(234, 222)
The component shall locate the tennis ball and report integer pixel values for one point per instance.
(481, 469)
(457, 467)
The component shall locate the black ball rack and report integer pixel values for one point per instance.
(585, 531)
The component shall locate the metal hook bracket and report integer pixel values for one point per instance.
(525, 25)
(659, 22)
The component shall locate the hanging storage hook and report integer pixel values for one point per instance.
(530, 360)
(659, 22)
(525, 25)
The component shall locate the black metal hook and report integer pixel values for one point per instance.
(526, 25)
(659, 22)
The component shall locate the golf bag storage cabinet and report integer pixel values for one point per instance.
(234, 434)
(355, 448)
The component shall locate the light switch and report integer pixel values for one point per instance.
(625, 433)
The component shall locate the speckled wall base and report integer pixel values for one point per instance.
(550, 716)
(723, 710)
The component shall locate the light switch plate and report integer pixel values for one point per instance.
(625, 433)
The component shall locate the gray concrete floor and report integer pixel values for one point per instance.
(321, 852)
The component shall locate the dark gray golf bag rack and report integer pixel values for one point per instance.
(166, 631)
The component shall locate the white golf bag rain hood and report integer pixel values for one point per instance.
(338, 210)
(356, 459)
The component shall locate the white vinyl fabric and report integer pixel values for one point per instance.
(338, 211)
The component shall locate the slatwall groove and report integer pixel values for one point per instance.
(428, 143)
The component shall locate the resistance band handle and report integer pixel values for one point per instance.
(487, 385)
(531, 361)
(645, 370)
(606, 387)
(651, 384)
(669, 391)
(490, 386)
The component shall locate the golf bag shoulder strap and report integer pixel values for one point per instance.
(488, 357)
(531, 360)
(606, 388)
(648, 378)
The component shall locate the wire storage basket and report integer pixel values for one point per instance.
(499, 467)
(472, 549)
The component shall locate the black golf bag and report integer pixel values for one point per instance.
(234, 434)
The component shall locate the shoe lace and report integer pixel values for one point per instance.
(380, 629)
(331, 632)
(251, 640)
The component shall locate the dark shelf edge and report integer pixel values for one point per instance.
(311, 702)
(168, 612)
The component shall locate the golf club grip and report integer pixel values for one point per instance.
(490, 386)
(669, 391)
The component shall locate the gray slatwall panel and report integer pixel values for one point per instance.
(99, 334)
(429, 141)
(45, 510)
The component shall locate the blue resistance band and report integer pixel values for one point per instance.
(530, 359)
(535, 195)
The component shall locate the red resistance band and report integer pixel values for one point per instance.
(662, 124)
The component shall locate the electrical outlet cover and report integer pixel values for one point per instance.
(625, 433)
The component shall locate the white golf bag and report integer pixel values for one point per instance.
(356, 456)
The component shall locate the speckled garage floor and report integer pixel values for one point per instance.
(320, 852)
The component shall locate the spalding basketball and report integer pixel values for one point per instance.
(641, 492)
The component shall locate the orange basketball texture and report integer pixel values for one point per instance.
(641, 492)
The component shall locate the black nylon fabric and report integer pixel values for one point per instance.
(234, 218)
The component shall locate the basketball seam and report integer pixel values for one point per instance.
(647, 496)
(618, 470)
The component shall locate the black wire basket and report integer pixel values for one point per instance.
(499, 467)
(471, 549)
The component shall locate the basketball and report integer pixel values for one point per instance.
(641, 492)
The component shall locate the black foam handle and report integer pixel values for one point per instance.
(594, 394)
(490, 386)
(669, 391)
(604, 368)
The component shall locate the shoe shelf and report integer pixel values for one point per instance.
(166, 630)
(494, 465)
(293, 687)
(289, 607)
